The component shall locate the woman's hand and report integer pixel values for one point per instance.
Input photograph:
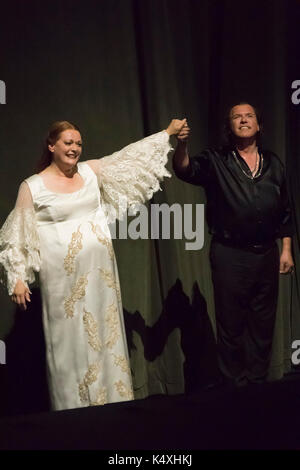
(21, 294)
(175, 126)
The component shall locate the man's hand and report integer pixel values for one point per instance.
(181, 158)
(175, 126)
(21, 294)
(286, 263)
(184, 133)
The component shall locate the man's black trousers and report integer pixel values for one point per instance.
(245, 290)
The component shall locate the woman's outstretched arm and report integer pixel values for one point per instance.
(131, 176)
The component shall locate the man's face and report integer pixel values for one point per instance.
(243, 121)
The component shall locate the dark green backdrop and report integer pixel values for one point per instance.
(121, 69)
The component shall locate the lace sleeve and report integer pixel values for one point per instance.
(131, 176)
(19, 242)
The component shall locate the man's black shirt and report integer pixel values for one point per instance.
(242, 209)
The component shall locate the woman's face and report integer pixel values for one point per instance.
(67, 149)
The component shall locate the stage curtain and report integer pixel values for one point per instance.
(121, 69)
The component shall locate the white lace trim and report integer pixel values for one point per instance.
(131, 176)
(19, 248)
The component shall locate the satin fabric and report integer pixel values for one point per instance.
(240, 208)
(82, 311)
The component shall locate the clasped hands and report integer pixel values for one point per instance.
(179, 128)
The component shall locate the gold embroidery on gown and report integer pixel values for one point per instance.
(124, 390)
(91, 327)
(83, 392)
(103, 239)
(74, 248)
(89, 378)
(77, 292)
(101, 397)
(110, 280)
(112, 322)
(122, 362)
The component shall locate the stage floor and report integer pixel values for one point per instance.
(253, 417)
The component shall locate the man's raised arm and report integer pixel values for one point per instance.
(181, 157)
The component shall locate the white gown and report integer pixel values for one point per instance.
(66, 238)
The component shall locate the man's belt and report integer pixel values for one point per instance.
(253, 247)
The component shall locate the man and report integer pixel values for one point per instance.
(247, 210)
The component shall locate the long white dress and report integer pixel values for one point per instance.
(67, 239)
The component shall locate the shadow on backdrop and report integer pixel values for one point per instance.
(197, 338)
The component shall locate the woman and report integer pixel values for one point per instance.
(59, 227)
